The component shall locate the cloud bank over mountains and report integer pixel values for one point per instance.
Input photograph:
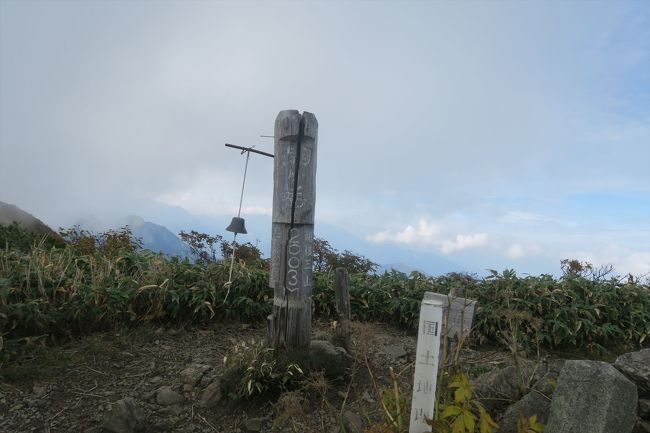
(429, 234)
(509, 134)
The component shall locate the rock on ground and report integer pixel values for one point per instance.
(125, 417)
(499, 388)
(211, 395)
(636, 366)
(353, 422)
(166, 396)
(642, 426)
(546, 384)
(643, 409)
(592, 397)
(332, 359)
(393, 351)
(533, 403)
(254, 424)
(193, 373)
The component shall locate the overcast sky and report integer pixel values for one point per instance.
(491, 133)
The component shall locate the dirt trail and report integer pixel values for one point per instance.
(167, 373)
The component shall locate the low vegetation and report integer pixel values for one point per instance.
(52, 292)
(254, 370)
(93, 283)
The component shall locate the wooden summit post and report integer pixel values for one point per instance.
(342, 296)
(294, 197)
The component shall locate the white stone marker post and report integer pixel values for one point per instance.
(426, 365)
(294, 197)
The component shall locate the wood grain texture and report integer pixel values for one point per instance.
(294, 196)
(342, 292)
(287, 132)
(458, 314)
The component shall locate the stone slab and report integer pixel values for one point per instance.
(592, 397)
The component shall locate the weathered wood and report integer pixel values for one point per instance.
(458, 314)
(291, 257)
(343, 332)
(287, 150)
(294, 195)
(342, 293)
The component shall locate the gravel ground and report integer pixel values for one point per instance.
(166, 380)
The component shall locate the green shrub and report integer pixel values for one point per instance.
(254, 370)
(572, 311)
(60, 292)
(14, 237)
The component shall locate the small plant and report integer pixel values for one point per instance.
(393, 403)
(255, 370)
(96, 282)
(462, 414)
(529, 425)
(289, 409)
(14, 236)
(110, 243)
(202, 245)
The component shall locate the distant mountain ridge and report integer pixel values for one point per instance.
(389, 256)
(157, 238)
(154, 237)
(10, 213)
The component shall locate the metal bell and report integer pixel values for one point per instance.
(237, 226)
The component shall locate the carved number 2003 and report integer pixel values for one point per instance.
(294, 258)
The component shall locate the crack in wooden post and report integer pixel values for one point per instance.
(289, 326)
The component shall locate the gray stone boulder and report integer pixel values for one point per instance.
(255, 424)
(166, 396)
(193, 373)
(533, 403)
(353, 422)
(211, 395)
(641, 426)
(124, 417)
(550, 373)
(636, 366)
(643, 409)
(333, 360)
(502, 387)
(498, 388)
(592, 397)
(393, 352)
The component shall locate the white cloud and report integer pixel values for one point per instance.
(636, 263)
(430, 234)
(518, 251)
(218, 193)
(193, 203)
(515, 251)
(462, 242)
(115, 121)
(624, 260)
(425, 234)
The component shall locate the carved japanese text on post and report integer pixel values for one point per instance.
(297, 268)
(294, 195)
(289, 165)
(427, 356)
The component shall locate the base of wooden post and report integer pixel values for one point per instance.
(289, 326)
